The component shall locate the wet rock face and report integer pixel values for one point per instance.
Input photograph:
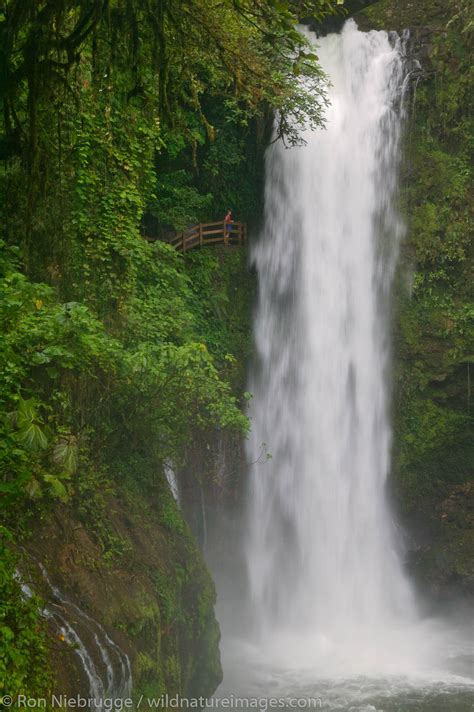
(440, 555)
(103, 668)
(424, 19)
(398, 15)
(140, 619)
(334, 23)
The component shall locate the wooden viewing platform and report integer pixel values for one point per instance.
(209, 234)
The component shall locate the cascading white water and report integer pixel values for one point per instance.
(323, 556)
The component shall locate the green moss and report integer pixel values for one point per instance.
(146, 617)
(168, 591)
(145, 667)
(170, 516)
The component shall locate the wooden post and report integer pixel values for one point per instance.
(241, 227)
(200, 235)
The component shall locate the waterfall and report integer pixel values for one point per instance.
(324, 561)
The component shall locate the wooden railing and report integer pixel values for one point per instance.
(210, 234)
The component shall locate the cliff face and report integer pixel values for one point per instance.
(434, 450)
(148, 596)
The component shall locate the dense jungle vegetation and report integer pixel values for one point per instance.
(123, 120)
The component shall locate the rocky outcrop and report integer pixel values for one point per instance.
(146, 603)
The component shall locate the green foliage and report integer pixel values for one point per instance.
(436, 322)
(222, 292)
(441, 224)
(43, 341)
(23, 634)
(114, 152)
(29, 428)
(179, 204)
(428, 426)
(118, 85)
(51, 348)
(65, 453)
(169, 597)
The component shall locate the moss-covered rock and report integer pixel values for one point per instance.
(152, 594)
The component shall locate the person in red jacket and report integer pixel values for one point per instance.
(228, 221)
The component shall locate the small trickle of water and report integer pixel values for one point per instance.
(113, 678)
(172, 480)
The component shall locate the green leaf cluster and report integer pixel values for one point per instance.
(59, 361)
